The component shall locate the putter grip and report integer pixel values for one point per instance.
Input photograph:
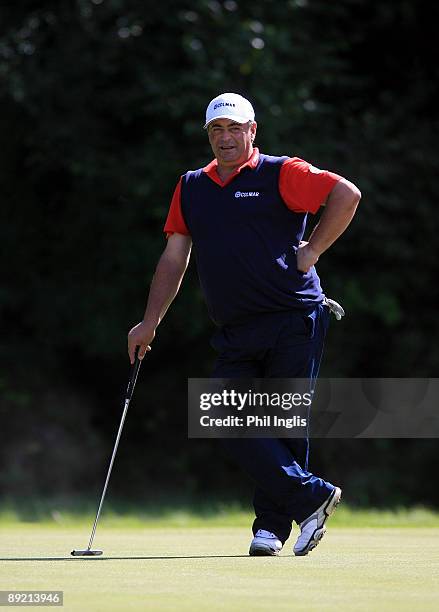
(133, 375)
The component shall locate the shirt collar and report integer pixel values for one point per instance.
(212, 172)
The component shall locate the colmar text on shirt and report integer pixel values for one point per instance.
(246, 194)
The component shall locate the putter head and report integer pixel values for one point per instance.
(86, 553)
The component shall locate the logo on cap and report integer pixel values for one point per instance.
(224, 104)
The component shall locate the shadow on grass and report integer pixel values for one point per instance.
(152, 558)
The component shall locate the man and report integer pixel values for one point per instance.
(245, 214)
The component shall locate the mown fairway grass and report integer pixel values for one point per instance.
(184, 562)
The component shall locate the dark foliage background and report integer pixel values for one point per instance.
(102, 103)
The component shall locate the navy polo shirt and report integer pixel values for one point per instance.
(245, 241)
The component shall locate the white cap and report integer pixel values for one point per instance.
(229, 106)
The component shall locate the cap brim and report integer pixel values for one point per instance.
(228, 116)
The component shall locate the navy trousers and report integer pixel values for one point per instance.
(276, 345)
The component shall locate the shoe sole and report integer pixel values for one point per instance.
(262, 550)
(318, 534)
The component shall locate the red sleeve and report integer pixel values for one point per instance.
(175, 223)
(303, 187)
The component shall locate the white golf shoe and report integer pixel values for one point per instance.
(265, 544)
(312, 529)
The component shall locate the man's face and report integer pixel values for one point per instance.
(231, 142)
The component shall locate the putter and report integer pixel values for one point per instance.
(88, 552)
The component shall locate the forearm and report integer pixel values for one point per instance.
(164, 287)
(336, 216)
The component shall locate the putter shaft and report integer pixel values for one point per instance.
(93, 531)
(128, 396)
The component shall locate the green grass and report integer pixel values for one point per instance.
(206, 568)
(194, 557)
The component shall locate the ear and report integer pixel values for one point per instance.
(253, 129)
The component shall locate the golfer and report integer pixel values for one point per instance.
(245, 214)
